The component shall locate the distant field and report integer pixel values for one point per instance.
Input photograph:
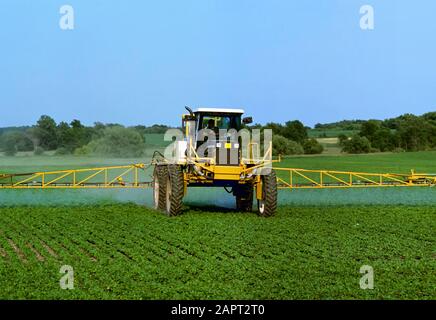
(330, 133)
(422, 162)
(19, 164)
(331, 145)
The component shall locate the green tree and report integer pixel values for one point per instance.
(46, 133)
(9, 144)
(369, 128)
(65, 137)
(14, 141)
(296, 131)
(24, 142)
(357, 144)
(415, 133)
(284, 146)
(383, 140)
(72, 136)
(276, 128)
(80, 134)
(342, 138)
(97, 130)
(116, 141)
(312, 146)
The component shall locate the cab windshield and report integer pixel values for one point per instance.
(220, 121)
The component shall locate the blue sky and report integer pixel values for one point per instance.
(141, 62)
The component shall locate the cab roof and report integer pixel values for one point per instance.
(218, 110)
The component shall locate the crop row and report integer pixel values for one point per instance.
(127, 251)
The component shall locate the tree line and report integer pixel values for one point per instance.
(407, 132)
(75, 138)
(116, 140)
(404, 133)
(291, 138)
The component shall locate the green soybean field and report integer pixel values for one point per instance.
(118, 247)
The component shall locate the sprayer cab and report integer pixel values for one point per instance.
(215, 152)
(215, 118)
(206, 124)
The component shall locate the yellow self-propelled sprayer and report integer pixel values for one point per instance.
(222, 161)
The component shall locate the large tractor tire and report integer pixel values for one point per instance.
(244, 198)
(160, 177)
(267, 206)
(174, 190)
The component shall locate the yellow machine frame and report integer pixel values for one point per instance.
(319, 179)
(109, 177)
(222, 172)
(131, 176)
